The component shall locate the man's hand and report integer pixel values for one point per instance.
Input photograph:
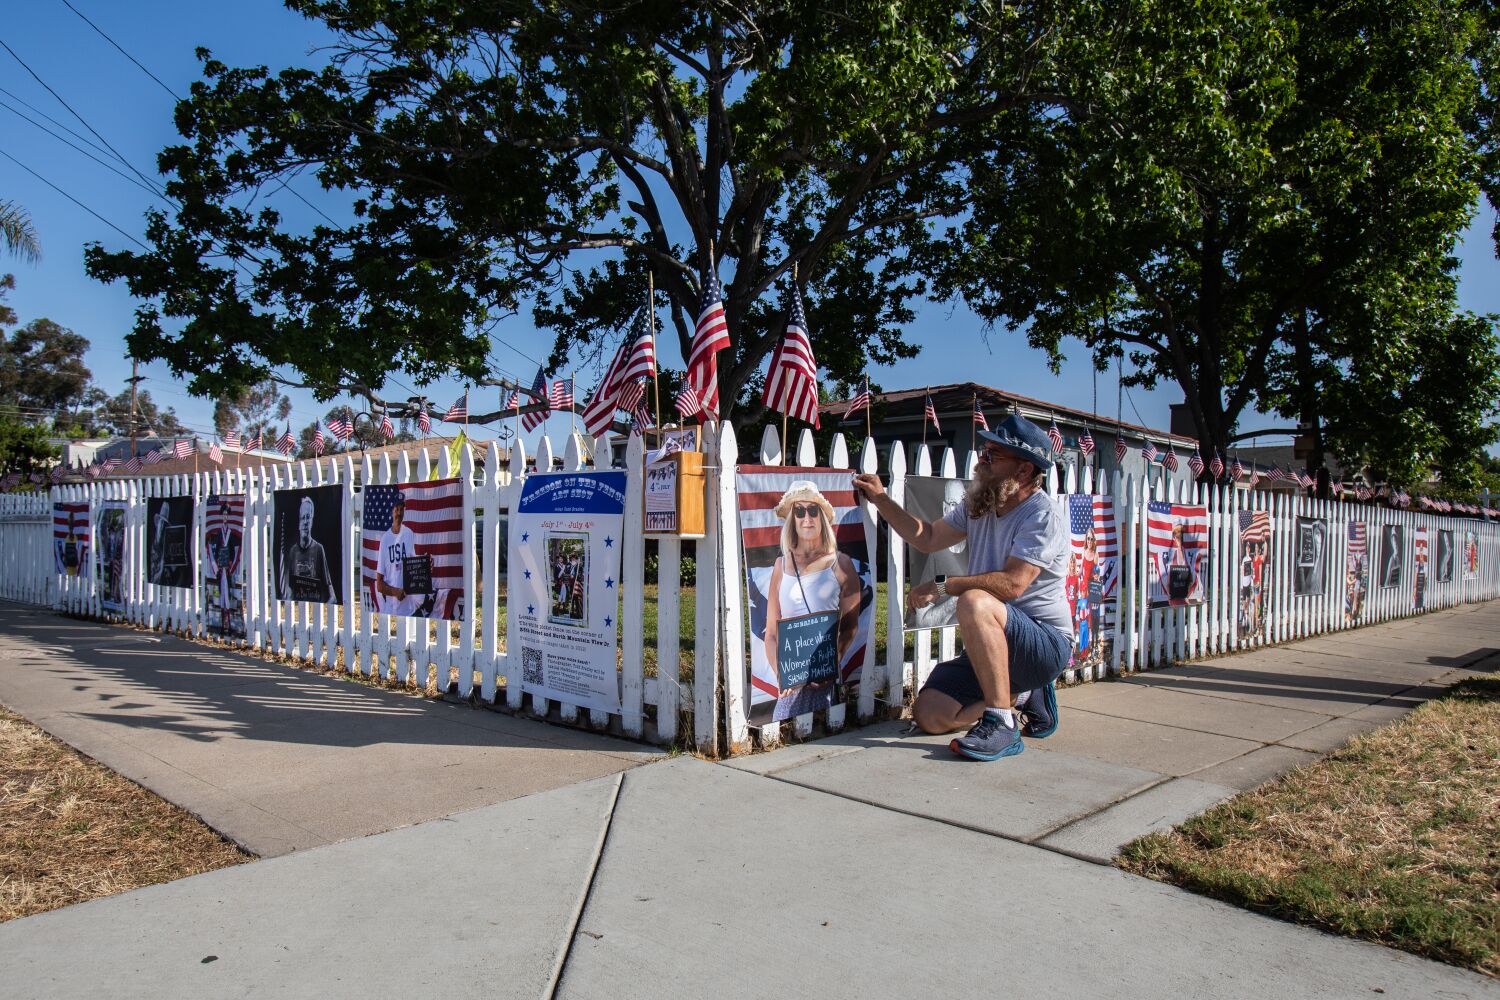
(869, 485)
(922, 595)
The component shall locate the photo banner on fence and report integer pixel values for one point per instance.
(110, 571)
(70, 537)
(1255, 572)
(1357, 575)
(1471, 555)
(1442, 560)
(169, 542)
(1419, 557)
(412, 542)
(1093, 572)
(929, 498)
(565, 545)
(810, 587)
(307, 540)
(1177, 552)
(224, 564)
(1310, 568)
(1392, 551)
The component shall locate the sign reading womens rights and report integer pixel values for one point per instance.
(806, 648)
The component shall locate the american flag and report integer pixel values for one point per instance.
(1148, 451)
(1358, 541)
(133, 464)
(861, 401)
(71, 519)
(641, 363)
(459, 410)
(387, 429)
(1419, 549)
(1120, 449)
(561, 396)
(216, 520)
(630, 396)
(287, 444)
(254, 443)
(531, 421)
(1055, 436)
(1237, 471)
(154, 456)
(1085, 512)
(1161, 518)
(318, 441)
(1362, 492)
(1170, 461)
(424, 422)
(760, 489)
(341, 428)
(183, 449)
(687, 402)
(599, 413)
(215, 455)
(435, 514)
(111, 464)
(929, 412)
(1217, 465)
(792, 381)
(1255, 526)
(58, 473)
(1086, 442)
(1195, 463)
(1275, 475)
(640, 416)
(231, 439)
(710, 335)
(984, 425)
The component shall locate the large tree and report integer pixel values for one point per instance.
(42, 371)
(255, 409)
(1259, 203)
(496, 156)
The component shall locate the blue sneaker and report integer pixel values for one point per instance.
(990, 739)
(1039, 715)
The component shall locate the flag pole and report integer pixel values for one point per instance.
(868, 404)
(973, 425)
(785, 448)
(926, 395)
(656, 364)
(572, 412)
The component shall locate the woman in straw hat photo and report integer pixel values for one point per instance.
(814, 595)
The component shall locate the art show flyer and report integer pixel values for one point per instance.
(565, 556)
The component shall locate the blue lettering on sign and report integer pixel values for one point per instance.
(574, 493)
(807, 648)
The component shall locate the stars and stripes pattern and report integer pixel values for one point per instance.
(435, 514)
(984, 424)
(1359, 542)
(535, 418)
(792, 380)
(183, 448)
(254, 443)
(224, 512)
(387, 429)
(1086, 442)
(318, 442)
(424, 421)
(929, 413)
(1275, 475)
(232, 439)
(341, 428)
(561, 395)
(1255, 526)
(154, 456)
(1162, 517)
(1237, 470)
(1055, 436)
(1097, 513)
(600, 411)
(70, 520)
(641, 363)
(459, 410)
(1195, 463)
(215, 455)
(861, 401)
(630, 396)
(1148, 451)
(287, 444)
(687, 402)
(1120, 449)
(710, 335)
(1216, 466)
(1170, 459)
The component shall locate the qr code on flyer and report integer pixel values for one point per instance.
(531, 666)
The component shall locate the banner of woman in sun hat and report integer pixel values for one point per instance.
(810, 588)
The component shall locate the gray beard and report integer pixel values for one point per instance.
(990, 496)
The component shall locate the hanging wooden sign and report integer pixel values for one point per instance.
(674, 486)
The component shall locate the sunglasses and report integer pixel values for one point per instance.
(800, 511)
(989, 455)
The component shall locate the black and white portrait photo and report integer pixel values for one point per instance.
(308, 543)
(1309, 569)
(1392, 549)
(1442, 562)
(169, 536)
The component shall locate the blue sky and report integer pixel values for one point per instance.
(134, 114)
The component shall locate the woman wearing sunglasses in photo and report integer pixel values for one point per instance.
(809, 579)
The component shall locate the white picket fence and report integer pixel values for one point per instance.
(708, 705)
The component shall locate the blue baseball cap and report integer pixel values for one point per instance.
(1021, 437)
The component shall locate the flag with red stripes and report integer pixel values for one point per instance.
(459, 410)
(1195, 463)
(387, 429)
(434, 514)
(1055, 436)
(1120, 449)
(561, 395)
(1098, 556)
(760, 489)
(984, 425)
(254, 443)
(1177, 552)
(287, 444)
(534, 418)
(687, 402)
(1216, 466)
(1170, 459)
(215, 455)
(231, 439)
(859, 402)
(182, 449)
(792, 380)
(710, 335)
(599, 413)
(70, 537)
(318, 441)
(1236, 471)
(424, 421)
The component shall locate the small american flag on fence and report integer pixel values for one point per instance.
(1095, 513)
(435, 515)
(424, 421)
(534, 419)
(183, 449)
(688, 403)
(561, 396)
(1055, 436)
(341, 428)
(1120, 449)
(710, 335)
(387, 429)
(459, 410)
(792, 380)
(1237, 471)
(1170, 459)
(1148, 451)
(231, 439)
(318, 441)
(859, 402)
(1217, 465)
(1195, 463)
(929, 413)
(215, 455)
(254, 443)
(984, 425)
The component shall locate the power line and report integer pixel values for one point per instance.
(102, 162)
(74, 200)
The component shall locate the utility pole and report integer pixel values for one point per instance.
(134, 378)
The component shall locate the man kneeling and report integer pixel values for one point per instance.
(1012, 609)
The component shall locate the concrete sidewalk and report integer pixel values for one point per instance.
(872, 864)
(275, 758)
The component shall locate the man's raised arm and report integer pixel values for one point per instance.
(924, 536)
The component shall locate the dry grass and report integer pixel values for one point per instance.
(71, 829)
(1395, 838)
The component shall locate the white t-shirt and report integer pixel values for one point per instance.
(395, 546)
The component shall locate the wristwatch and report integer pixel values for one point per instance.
(941, 583)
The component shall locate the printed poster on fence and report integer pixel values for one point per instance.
(1420, 557)
(1177, 553)
(307, 542)
(1254, 571)
(224, 564)
(1093, 572)
(1357, 576)
(930, 498)
(70, 537)
(810, 588)
(1392, 550)
(412, 542)
(1310, 561)
(1471, 555)
(110, 572)
(169, 542)
(1442, 558)
(565, 570)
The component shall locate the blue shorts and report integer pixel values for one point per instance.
(1038, 654)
